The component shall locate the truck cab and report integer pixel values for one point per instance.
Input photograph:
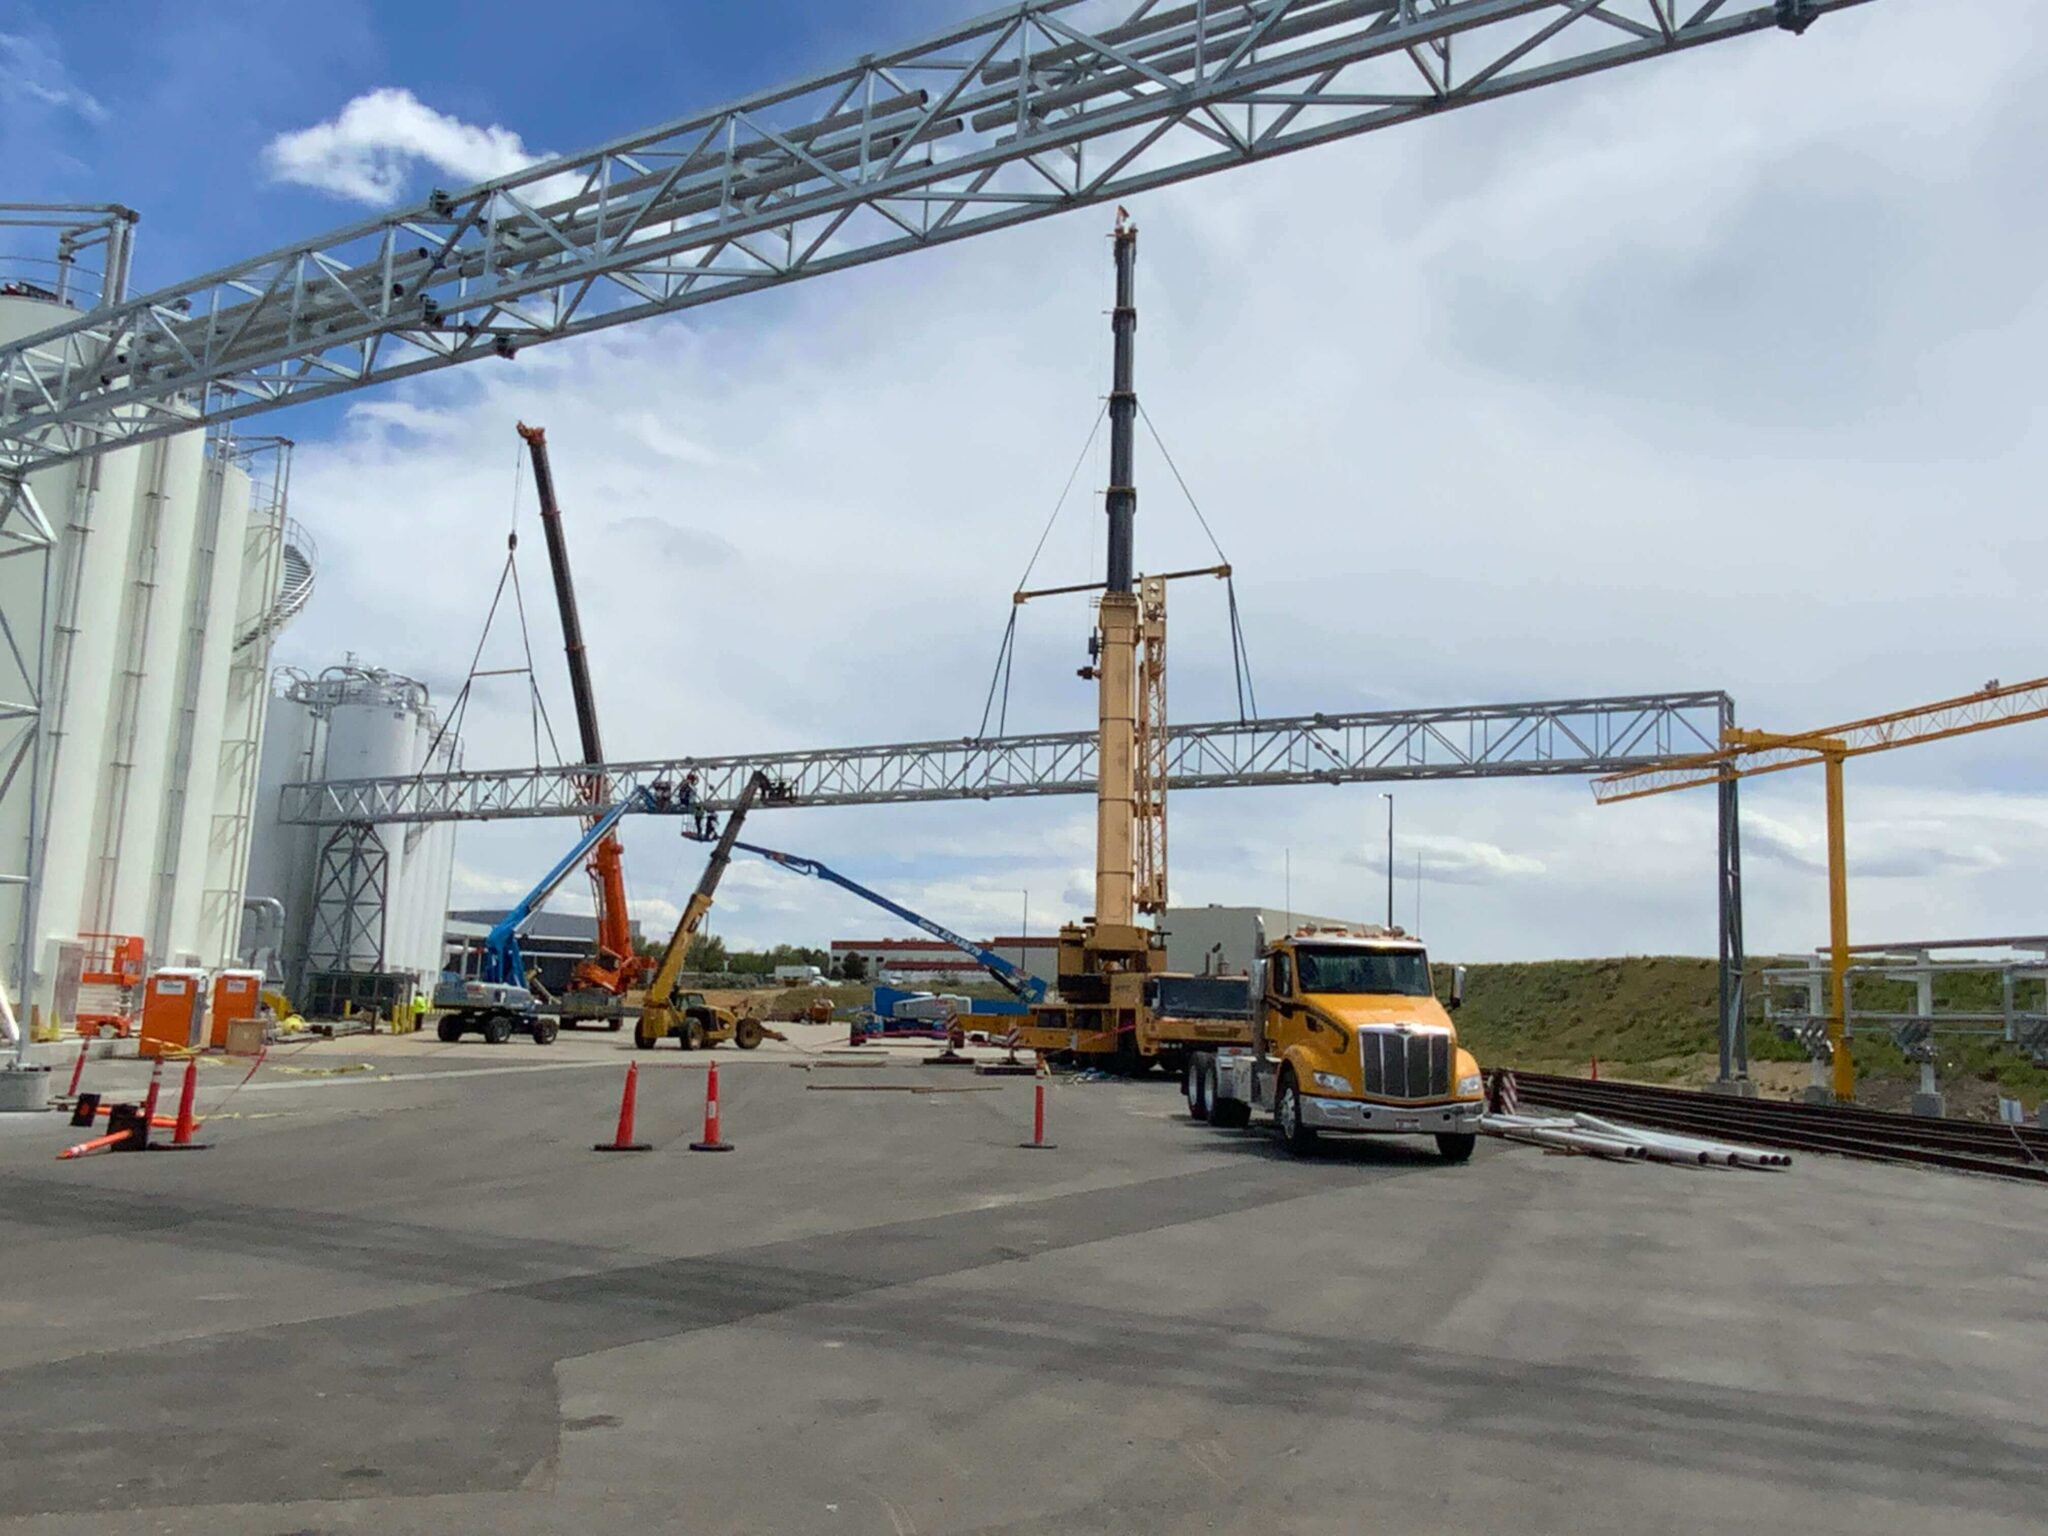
(1348, 1037)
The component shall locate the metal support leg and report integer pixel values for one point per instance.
(1844, 1073)
(1734, 1036)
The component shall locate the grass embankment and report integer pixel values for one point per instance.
(1651, 1018)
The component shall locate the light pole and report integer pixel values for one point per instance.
(1388, 796)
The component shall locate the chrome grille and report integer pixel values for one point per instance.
(1411, 1065)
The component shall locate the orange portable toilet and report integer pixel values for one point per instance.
(236, 995)
(173, 1012)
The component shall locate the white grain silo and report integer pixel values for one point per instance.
(364, 902)
(155, 572)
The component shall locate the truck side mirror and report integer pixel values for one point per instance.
(1457, 987)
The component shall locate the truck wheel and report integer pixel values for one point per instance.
(450, 1030)
(615, 1025)
(1227, 1114)
(1196, 1088)
(641, 1038)
(747, 1034)
(1295, 1134)
(1456, 1146)
(497, 1029)
(693, 1035)
(545, 1030)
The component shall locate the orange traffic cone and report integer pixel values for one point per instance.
(622, 1140)
(712, 1141)
(156, 1086)
(185, 1125)
(78, 1070)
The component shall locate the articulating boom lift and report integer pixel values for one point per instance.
(600, 979)
(1018, 982)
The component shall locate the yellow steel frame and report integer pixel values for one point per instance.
(1746, 754)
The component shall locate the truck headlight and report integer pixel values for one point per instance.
(1471, 1087)
(1332, 1082)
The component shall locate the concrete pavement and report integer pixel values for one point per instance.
(411, 1299)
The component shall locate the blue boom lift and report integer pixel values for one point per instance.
(498, 1000)
(1018, 982)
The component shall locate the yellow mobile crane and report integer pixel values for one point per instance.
(696, 1024)
(1339, 1031)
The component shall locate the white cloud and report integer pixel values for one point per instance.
(1583, 426)
(368, 151)
(32, 72)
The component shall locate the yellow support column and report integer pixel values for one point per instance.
(1838, 932)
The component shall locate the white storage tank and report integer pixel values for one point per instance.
(363, 899)
(138, 641)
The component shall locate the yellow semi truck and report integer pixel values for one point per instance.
(1347, 1036)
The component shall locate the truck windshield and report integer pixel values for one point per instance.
(1400, 973)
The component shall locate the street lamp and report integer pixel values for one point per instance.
(1388, 796)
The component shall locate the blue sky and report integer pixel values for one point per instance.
(1716, 373)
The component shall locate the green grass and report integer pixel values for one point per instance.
(1653, 1017)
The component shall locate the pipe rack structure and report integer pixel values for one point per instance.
(1013, 116)
(1561, 738)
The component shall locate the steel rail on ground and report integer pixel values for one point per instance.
(2006, 1151)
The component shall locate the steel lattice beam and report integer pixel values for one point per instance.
(1011, 117)
(1573, 736)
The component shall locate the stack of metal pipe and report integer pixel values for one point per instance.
(1626, 1143)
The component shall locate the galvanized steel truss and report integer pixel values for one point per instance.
(1569, 737)
(1011, 117)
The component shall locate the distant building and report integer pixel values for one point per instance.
(927, 962)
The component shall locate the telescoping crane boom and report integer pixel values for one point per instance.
(1019, 982)
(615, 967)
(664, 1011)
(497, 999)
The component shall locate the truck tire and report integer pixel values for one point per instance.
(1295, 1134)
(1227, 1114)
(1196, 1087)
(545, 1030)
(642, 1040)
(497, 1029)
(747, 1034)
(450, 1030)
(615, 1025)
(1456, 1146)
(693, 1035)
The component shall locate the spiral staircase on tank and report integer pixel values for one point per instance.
(294, 587)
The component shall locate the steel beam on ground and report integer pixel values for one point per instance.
(1016, 115)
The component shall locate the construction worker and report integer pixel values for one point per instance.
(419, 1008)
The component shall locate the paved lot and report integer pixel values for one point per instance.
(411, 1299)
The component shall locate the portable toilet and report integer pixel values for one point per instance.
(173, 1012)
(236, 995)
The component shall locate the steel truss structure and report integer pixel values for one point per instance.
(1563, 738)
(1487, 741)
(1011, 117)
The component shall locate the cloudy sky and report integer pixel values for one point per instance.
(1720, 372)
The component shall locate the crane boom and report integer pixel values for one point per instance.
(988, 123)
(1015, 979)
(615, 968)
(502, 961)
(661, 991)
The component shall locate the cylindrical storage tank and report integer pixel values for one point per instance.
(156, 603)
(370, 736)
(209, 639)
(281, 856)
